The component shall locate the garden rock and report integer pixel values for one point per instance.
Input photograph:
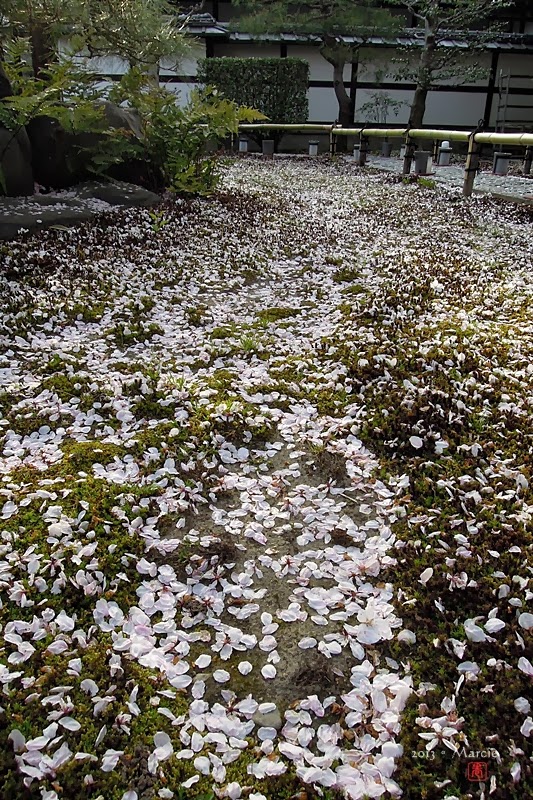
(69, 207)
(60, 158)
(126, 118)
(15, 162)
(52, 150)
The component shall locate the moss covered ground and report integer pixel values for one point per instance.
(265, 498)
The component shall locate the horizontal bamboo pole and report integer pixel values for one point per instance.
(369, 132)
(271, 126)
(512, 139)
(482, 137)
(413, 133)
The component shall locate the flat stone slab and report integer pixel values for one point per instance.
(70, 206)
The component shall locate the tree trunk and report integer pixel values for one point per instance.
(338, 55)
(423, 83)
(418, 107)
(42, 48)
(424, 75)
(345, 117)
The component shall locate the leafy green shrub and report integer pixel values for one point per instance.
(62, 91)
(275, 86)
(174, 138)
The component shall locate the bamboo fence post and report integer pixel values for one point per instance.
(363, 151)
(409, 155)
(471, 166)
(332, 141)
(526, 169)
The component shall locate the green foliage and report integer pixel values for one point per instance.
(61, 91)
(275, 86)
(140, 31)
(325, 18)
(275, 314)
(433, 61)
(381, 103)
(175, 138)
(427, 183)
(159, 220)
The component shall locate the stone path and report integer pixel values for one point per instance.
(509, 186)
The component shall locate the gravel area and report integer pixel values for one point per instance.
(512, 186)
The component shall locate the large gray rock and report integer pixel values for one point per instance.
(15, 163)
(52, 153)
(125, 118)
(60, 158)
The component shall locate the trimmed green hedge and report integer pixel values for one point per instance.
(275, 86)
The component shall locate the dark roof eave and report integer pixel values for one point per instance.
(410, 37)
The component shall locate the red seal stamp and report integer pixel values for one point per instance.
(477, 771)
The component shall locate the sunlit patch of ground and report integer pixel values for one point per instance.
(265, 511)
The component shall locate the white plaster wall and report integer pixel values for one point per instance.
(103, 65)
(454, 108)
(519, 114)
(373, 60)
(481, 61)
(443, 108)
(517, 63)
(182, 91)
(319, 68)
(323, 105)
(187, 66)
(246, 50)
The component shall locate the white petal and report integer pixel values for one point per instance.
(494, 625)
(202, 764)
(522, 705)
(233, 790)
(307, 642)
(221, 676)
(407, 636)
(69, 723)
(198, 690)
(425, 575)
(525, 665)
(266, 733)
(526, 621)
(416, 442)
(244, 667)
(18, 740)
(269, 671)
(89, 686)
